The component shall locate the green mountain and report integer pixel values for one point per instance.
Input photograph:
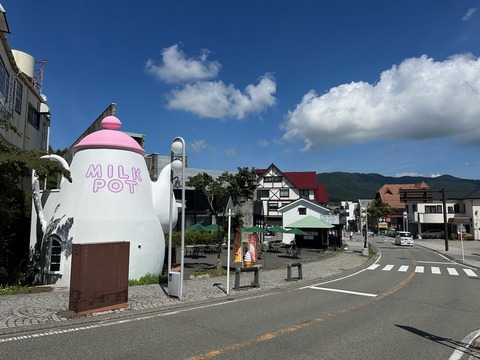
(342, 186)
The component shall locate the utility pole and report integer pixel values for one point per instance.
(444, 202)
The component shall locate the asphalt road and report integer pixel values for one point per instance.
(389, 310)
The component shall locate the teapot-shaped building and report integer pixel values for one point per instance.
(110, 199)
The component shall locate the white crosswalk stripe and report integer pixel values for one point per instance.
(435, 270)
(452, 271)
(470, 273)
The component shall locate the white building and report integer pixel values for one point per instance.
(22, 104)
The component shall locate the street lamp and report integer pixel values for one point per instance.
(177, 165)
(364, 215)
(405, 221)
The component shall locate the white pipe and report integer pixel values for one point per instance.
(37, 202)
(61, 161)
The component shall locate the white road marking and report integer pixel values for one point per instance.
(420, 269)
(343, 291)
(373, 267)
(452, 271)
(460, 351)
(470, 273)
(403, 268)
(387, 268)
(436, 270)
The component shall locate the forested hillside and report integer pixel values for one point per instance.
(342, 186)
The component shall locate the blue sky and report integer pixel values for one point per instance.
(388, 87)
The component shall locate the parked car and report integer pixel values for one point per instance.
(432, 234)
(404, 238)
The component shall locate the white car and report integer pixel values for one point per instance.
(404, 238)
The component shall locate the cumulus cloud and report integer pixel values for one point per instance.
(231, 152)
(418, 99)
(198, 145)
(262, 143)
(414, 174)
(469, 14)
(176, 67)
(217, 100)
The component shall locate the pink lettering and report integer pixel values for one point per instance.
(121, 172)
(94, 171)
(98, 184)
(115, 185)
(131, 185)
(136, 174)
(110, 171)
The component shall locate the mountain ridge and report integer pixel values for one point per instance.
(344, 186)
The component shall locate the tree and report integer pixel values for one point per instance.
(240, 187)
(377, 209)
(16, 167)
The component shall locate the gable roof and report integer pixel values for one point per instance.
(390, 193)
(309, 222)
(306, 203)
(303, 180)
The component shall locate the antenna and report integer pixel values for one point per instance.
(38, 79)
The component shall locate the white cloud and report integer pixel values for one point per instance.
(231, 152)
(198, 145)
(418, 99)
(414, 174)
(262, 143)
(176, 67)
(217, 100)
(469, 14)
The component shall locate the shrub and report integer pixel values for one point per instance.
(148, 279)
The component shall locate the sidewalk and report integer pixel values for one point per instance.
(47, 310)
(470, 255)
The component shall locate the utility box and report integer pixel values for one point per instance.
(174, 278)
(99, 277)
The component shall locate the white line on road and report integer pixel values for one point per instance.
(343, 291)
(435, 270)
(452, 271)
(470, 273)
(387, 268)
(373, 267)
(420, 269)
(403, 268)
(460, 351)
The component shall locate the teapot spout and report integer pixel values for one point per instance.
(164, 198)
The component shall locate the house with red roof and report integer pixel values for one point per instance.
(277, 189)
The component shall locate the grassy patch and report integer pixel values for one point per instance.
(17, 289)
(148, 279)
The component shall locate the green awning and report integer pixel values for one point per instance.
(310, 222)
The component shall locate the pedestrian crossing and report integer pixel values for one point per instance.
(420, 269)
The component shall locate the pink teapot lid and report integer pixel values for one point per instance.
(109, 138)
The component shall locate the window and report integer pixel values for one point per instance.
(55, 255)
(33, 117)
(433, 209)
(302, 211)
(18, 96)
(304, 193)
(451, 209)
(262, 194)
(267, 179)
(284, 193)
(273, 206)
(277, 179)
(3, 88)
